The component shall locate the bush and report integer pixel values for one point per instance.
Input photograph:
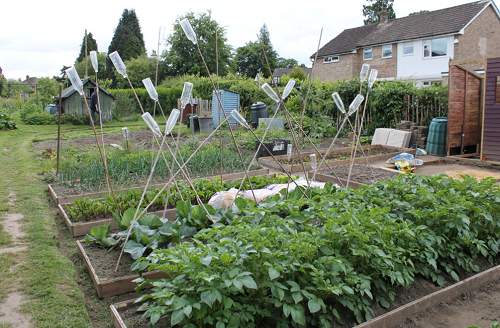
(39, 118)
(74, 119)
(7, 121)
(28, 108)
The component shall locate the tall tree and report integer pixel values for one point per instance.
(91, 45)
(373, 10)
(181, 55)
(127, 40)
(250, 59)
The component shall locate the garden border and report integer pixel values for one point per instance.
(106, 288)
(115, 314)
(270, 162)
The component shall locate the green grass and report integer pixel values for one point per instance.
(6, 276)
(48, 276)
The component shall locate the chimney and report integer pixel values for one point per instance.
(27, 77)
(384, 16)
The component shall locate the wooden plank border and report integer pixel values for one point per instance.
(106, 288)
(447, 294)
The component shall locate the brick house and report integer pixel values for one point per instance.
(417, 47)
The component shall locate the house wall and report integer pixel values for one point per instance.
(387, 67)
(335, 71)
(421, 69)
(481, 38)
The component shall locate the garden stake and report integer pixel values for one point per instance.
(352, 109)
(371, 81)
(284, 111)
(95, 64)
(363, 74)
(188, 30)
(77, 85)
(244, 123)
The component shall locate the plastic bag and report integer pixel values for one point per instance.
(405, 157)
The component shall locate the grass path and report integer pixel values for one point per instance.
(46, 276)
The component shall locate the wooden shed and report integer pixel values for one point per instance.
(490, 150)
(72, 102)
(474, 110)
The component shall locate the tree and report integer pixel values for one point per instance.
(286, 63)
(101, 61)
(48, 88)
(127, 40)
(372, 11)
(182, 57)
(91, 45)
(141, 68)
(250, 60)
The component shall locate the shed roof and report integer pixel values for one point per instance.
(415, 26)
(69, 91)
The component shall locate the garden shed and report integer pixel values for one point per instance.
(474, 110)
(72, 102)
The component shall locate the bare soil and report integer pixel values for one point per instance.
(361, 173)
(104, 261)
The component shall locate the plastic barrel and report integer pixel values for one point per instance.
(259, 110)
(436, 140)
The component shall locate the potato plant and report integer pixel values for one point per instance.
(307, 262)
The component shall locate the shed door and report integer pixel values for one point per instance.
(491, 130)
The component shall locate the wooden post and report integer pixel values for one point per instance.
(59, 128)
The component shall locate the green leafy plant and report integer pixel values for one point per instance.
(7, 121)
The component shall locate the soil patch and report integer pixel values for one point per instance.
(104, 262)
(361, 173)
(343, 154)
(134, 319)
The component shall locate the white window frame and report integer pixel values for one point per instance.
(331, 59)
(408, 45)
(428, 43)
(386, 47)
(366, 51)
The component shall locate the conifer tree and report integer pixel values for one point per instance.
(91, 45)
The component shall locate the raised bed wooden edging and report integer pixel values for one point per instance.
(106, 288)
(115, 314)
(343, 182)
(77, 229)
(97, 195)
(360, 159)
(399, 315)
(392, 318)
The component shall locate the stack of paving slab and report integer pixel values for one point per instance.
(391, 137)
(418, 133)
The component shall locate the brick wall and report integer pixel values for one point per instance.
(336, 71)
(349, 65)
(481, 38)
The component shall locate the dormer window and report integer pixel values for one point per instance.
(331, 59)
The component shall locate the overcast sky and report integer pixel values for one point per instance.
(38, 37)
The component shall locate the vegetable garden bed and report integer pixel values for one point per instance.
(112, 286)
(91, 213)
(335, 157)
(125, 315)
(361, 175)
(65, 195)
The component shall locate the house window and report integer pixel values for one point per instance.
(435, 47)
(408, 49)
(387, 51)
(332, 59)
(367, 54)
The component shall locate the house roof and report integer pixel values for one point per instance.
(416, 26)
(69, 91)
(279, 72)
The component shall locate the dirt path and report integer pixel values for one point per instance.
(10, 307)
